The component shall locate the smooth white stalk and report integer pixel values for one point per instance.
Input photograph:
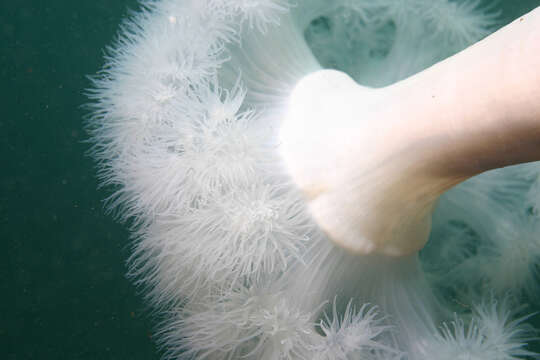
(373, 162)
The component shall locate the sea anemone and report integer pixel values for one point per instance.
(279, 210)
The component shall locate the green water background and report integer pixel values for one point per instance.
(63, 292)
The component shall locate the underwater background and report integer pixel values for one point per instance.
(64, 294)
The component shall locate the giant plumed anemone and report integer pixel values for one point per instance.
(298, 186)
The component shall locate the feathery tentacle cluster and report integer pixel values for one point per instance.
(184, 121)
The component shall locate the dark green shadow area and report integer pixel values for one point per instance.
(63, 291)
